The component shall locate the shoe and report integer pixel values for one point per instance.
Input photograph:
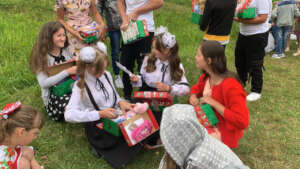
(118, 82)
(282, 55)
(297, 53)
(276, 56)
(287, 49)
(253, 96)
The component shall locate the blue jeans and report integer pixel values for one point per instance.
(115, 37)
(282, 35)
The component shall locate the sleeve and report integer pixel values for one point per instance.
(139, 83)
(198, 87)
(263, 6)
(142, 72)
(181, 88)
(206, 16)
(236, 111)
(76, 111)
(46, 82)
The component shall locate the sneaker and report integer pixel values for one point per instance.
(297, 53)
(118, 82)
(253, 96)
(287, 49)
(276, 56)
(282, 55)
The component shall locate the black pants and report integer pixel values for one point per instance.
(249, 59)
(131, 53)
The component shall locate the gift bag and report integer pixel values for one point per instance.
(243, 10)
(271, 43)
(197, 11)
(135, 31)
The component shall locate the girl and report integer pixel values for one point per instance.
(77, 15)
(94, 97)
(162, 70)
(221, 89)
(51, 48)
(19, 126)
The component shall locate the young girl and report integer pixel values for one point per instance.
(94, 97)
(19, 126)
(74, 14)
(51, 48)
(220, 88)
(162, 70)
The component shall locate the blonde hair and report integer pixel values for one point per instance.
(25, 117)
(82, 67)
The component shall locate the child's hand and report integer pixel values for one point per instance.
(72, 70)
(162, 87)
(108, 113)
(134, 78)
(208, 100)
(193, 100)
(125, 106)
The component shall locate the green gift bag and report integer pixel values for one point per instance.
(63, 88)
(196, 18)
(248, 13)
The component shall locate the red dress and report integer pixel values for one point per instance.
(232, 96)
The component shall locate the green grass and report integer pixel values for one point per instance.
(272, 140)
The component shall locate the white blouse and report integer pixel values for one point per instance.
(162, 74)
(105, 95)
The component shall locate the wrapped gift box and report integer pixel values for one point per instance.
(197, 11)
(135, 31)
(55, 69)
(206, 116)
(243, 10)
(134, 130)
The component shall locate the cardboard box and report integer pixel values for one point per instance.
(55, 69)
(145, 124)
(135, 31)
(206, 116)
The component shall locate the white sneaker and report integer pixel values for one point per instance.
(282, 55)
(253, 96)
(276, 56)
(118, 82)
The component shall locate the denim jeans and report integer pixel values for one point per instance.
(282, 35)
(115, 37)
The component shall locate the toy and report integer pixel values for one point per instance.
(243, 11)
(142, 131)
(206, 116)
(197, 9)
(135, 31)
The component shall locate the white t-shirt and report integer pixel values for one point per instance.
(262, 7)
(131, 5)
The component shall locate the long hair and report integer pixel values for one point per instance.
(215, 51)
(25, 117)
(97, 65)
(173, 58)
(44, 44)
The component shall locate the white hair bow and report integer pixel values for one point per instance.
(87, 54)
(102, 47)
(169, 40)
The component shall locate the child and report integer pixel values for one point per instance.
(76, 14)
(220, 88)
(51, 48)
(162, 70)
(19, 126)
(108, 8)
(195, 148)
(94, 97)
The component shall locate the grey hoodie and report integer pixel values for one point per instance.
(285, 13)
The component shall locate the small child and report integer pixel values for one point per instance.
(51, 47)
(221, 89)
(19, 126)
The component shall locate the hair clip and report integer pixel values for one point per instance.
(9, 108)
(160, 30)
(87, 54)
(169, 40)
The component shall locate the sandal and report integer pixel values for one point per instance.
(297, 53)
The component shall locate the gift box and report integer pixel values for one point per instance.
(55, 69)
(135, 31)
(197, 11)
(243, 10)
(134, 130)
(89, 33)
(157, 100)
(206, 116)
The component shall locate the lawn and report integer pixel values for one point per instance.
(272, 140)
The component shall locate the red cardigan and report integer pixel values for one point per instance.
(231, 94)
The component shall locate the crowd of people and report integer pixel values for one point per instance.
(159, 68)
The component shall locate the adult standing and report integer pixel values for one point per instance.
(108, 9)
(76, 14)
(132, 10)
(249, 51)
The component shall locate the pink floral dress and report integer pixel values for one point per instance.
(9, 158)
(77, 16)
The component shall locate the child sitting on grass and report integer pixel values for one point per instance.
(19, 126)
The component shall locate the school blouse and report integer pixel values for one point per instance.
(232, 96)
(45, 81)
(162, 74)
(81, 109)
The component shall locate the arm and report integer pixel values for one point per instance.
(257, 20)
(182, 87)
(197, 89)
(99, 20)
(122, 10)
(46, 82)
(76, 111)
(152, 5)
(206, 16)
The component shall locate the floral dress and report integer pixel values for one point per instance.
(77, 16)
(9, 158)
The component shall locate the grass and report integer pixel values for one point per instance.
(272, 140)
